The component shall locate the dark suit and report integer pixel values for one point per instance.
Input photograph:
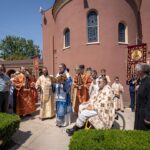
(132, 91)
(143, 105)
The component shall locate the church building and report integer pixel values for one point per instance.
(95, 33)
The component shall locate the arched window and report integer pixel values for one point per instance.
(66, 38)
(92, 27)
(122, 32)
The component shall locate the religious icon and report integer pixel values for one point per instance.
(136, 55)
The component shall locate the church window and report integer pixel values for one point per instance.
(67, 38)
(92, 27)
(122, 33)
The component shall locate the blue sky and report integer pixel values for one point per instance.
(22, 18)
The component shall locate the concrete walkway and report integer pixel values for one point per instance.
(35, 134)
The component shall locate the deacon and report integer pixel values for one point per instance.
(81, 84)
(118, 92)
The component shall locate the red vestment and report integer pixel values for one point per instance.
(25, 102)
(81, 84)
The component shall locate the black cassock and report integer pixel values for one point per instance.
(143, 105)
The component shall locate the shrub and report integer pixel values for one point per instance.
(8, 126)
(110, 140)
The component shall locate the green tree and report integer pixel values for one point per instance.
(16, 48)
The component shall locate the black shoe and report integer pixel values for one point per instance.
(72, 130)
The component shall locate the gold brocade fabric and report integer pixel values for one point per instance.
(47, 103)
(104, 105)
(81, 95)
(25, 102)
(19, 81)
(47, 97)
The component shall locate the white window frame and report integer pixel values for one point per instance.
(66, 47)
(126, 33)
(98, 34)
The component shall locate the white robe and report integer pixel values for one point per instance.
(118, 99)
(104, 106)
(47, 97)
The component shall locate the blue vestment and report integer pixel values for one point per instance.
(63, 100)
